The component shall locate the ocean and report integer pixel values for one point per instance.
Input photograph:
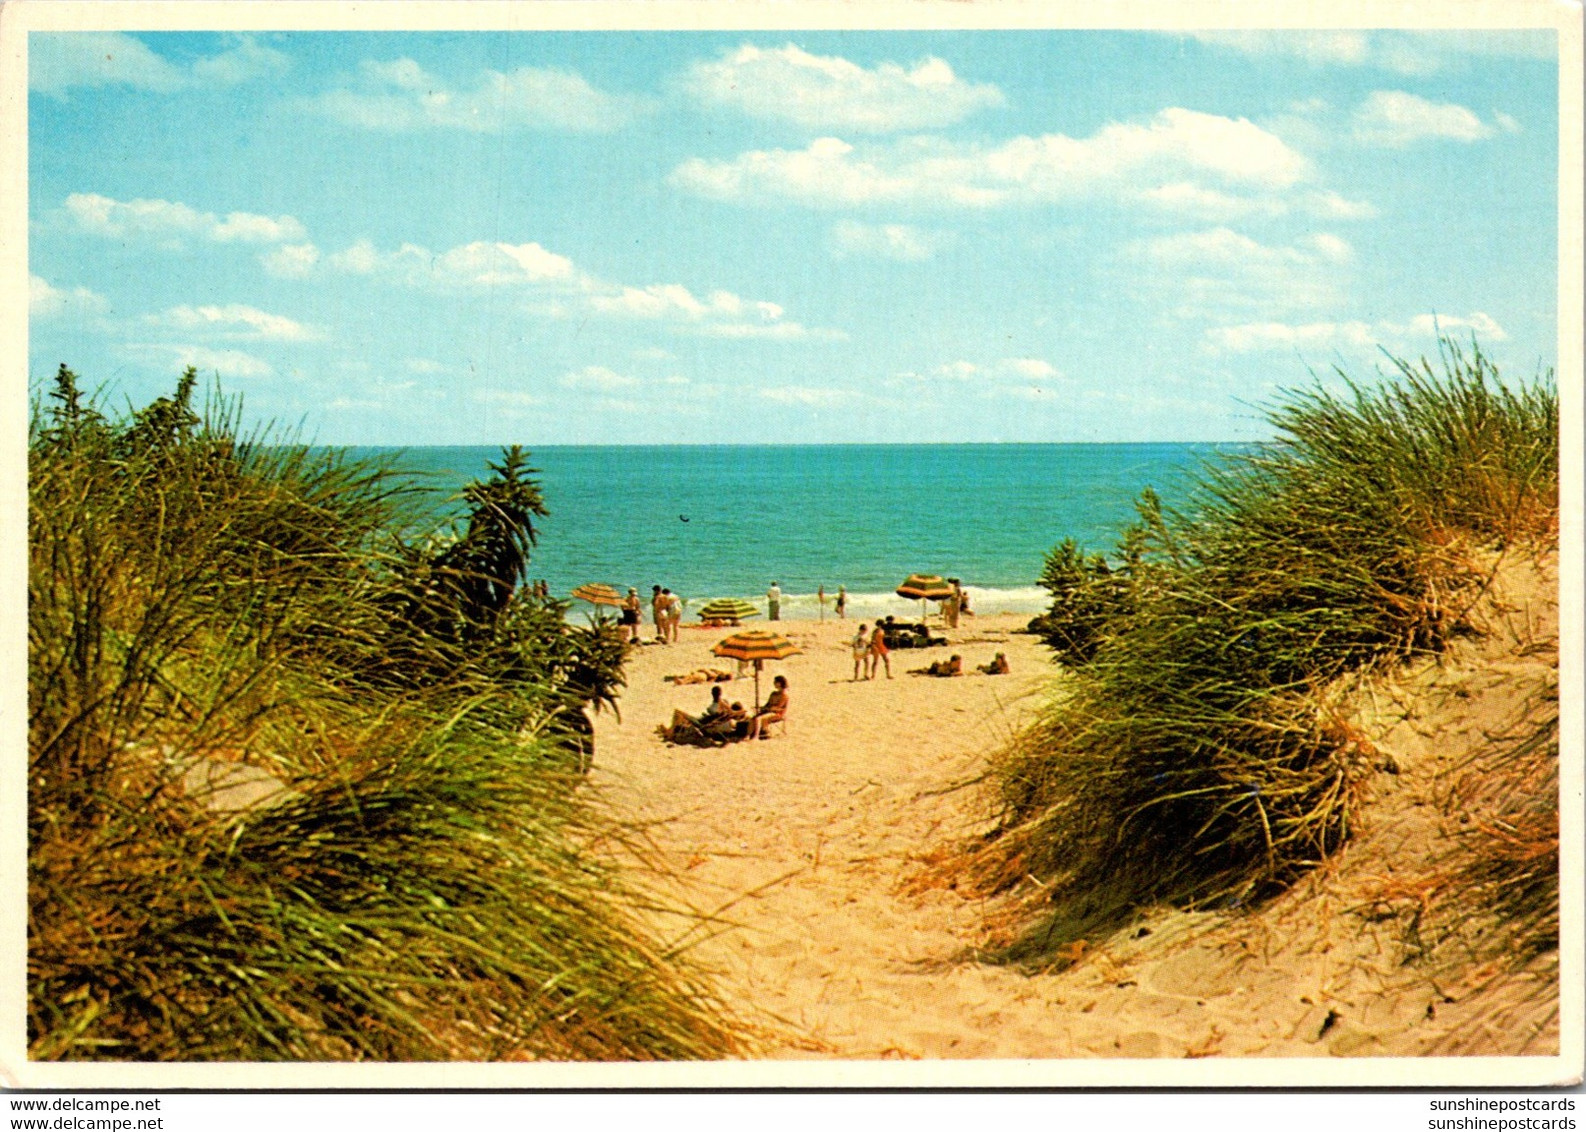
(725, 521)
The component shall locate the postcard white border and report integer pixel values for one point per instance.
(21, 16)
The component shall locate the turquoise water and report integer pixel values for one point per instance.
(710, 521)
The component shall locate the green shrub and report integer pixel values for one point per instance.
(416, 884)
(1198, 757)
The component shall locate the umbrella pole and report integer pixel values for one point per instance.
(757, 665)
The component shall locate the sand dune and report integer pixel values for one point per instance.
(831, 935)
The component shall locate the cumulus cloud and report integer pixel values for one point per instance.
(45, 301)
(1002, 376)
(1415, 53)
(1216, 271)
(206, 359)
(882, 241)
(1120, 160)
(598, 377)
(824, 92)
(400, 96)
(290, 261)
(1396, 118)
(238, 321)
(564, 289)
(59, 61)
(1259, 336)
(173, 222)
(813, 396)
(480, 264)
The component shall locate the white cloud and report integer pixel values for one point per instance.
(1005, 370)
(1404, 52)
(1396, 118)
(882, 241)
(1259, 336)
(564, 290)
(808, 395)
(1034, 368)
(170, 222)
(227, 363)
(1217, 271)
(426, 366)
(508, 397)
(400, 96)
(238, 321)
(45, 301)
(598, 377)
(59, 61)
(247, 61)
(1121, 160)
(290, 261)
(479, 264)
(823, 92)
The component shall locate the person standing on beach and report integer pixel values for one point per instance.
(657, 613)
(773, 597)
(842, 603)
(630, 614)
(878, 651)
(950, 606)
(820, 599)
(861, 650)
(672, 611)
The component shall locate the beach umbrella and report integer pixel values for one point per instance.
(728, 609)
(758, 645)
(925, 587)
(598, 593)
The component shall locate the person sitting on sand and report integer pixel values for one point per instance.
(716, 722)
(997, 666)
(861, 650)
(878, 651)
(952, 666)
(774, 710)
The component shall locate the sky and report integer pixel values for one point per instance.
(784, 237)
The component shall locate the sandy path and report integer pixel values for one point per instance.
(801, 841)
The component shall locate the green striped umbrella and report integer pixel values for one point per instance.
(758, 645)
(727, 609)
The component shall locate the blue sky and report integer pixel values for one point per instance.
(651, 237)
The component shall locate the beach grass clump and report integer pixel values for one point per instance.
(269, 818)
(1200, 753)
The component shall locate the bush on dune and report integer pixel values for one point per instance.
(1196, 754)
(406, 880)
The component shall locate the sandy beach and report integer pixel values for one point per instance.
(832, 933)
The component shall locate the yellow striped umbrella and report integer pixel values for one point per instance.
(925, 587)
(758, 645)
(598, 593)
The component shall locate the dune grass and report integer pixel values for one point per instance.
(1197, 753)
(419, 884)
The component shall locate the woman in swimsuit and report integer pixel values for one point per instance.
(878, 652)
(861, 650)
(774, 708)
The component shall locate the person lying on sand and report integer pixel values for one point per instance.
(700, 676)
(952, 666)
(996, 666)
(774, 710)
